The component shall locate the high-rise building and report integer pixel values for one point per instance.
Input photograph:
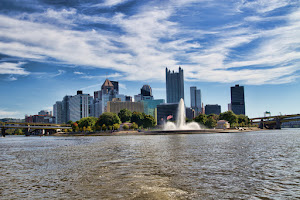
(65, 109)
(174, 86)
(137, 98)
(146, 94)
(79, 106)
(109, 90)
(195, 99)
(146, 90)
(238, 100)
(150, 106)
(212, 109)
(57, 112)
(116, 106)
(116, 86)
(44, 112)
(128, 98)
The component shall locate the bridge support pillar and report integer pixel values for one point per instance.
(27, 131)
(3, 132)
(261, 124)
(278, 123)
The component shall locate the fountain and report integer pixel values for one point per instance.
(181, 124)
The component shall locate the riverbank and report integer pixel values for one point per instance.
(159, 132)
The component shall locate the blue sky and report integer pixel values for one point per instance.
(50, 48)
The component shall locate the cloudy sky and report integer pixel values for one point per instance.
(50, 48)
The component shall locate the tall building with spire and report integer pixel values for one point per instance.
(174, 85)
(109, 90)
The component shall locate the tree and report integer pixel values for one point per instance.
(75, 127)
(229, 116)
(87, 121)
(148, 121)
(134, 126)
(116, 126)
(108, 119)
(214, 116)
(243, 120)
(103, 127)
(211, 122)
(97, 128)
(137, 117)
(70, 122)
(18, 131)
(89, 129)
(201, 118)
(125, 127)
(84, 129)
(188, 120)
(125, 115)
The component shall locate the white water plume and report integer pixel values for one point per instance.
(181, 124)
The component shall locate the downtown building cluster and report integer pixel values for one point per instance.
(108, 99)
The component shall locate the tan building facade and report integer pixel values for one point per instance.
(116, 106)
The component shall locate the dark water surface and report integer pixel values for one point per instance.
(254, 165)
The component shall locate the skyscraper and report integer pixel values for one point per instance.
(174, 86)
(238, 100)
(116, 86)
(146, 90)
(79, 106)
(212, 109)
(195, 99)
(146, 93)
(57, 112)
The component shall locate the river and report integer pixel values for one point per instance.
(252, 165)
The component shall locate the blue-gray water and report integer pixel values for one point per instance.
(254, 165)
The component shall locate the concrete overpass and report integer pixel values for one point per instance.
(274, 122)
(32, 127)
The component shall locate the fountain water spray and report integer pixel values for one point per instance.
(181, 124)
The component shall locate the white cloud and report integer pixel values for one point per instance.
(92, 86)
(79, 73)
(13, 68)
(123, 86)
(149, 42)
(114, 75)
(60, 72)
(111, 3)
(12, 78)
(4, 113)
(262, 6)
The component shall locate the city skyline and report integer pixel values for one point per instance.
(52, 49)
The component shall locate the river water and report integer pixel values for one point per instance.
(253, 165)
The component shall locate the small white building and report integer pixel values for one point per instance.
(223, 124)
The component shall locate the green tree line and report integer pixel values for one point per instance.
(112, 121)
(210, 121)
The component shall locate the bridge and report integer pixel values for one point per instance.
(274, 122)
(31, 128)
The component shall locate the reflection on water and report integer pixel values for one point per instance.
(254, 165)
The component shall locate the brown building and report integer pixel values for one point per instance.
(116, 106)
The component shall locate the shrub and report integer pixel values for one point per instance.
(125, 127)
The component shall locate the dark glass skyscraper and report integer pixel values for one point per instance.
(146, 90)
(174, 86)
(238, 100)
(195, 99)
(212, 109)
